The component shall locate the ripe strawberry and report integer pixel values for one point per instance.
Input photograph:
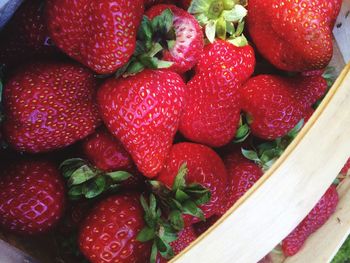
(48, 106)
(203, 226)
(212, 111)
(204, 167)
(172, 35)
(108, 234)
(32, 197)
(313, 221)
(346, 168)
(271, 106)
(185, 238)
(143, 111)
(100, 35)
(241, 58)
(242, 175)
(185, 4)
(25, 35)
(294, 35)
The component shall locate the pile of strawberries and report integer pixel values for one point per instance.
(135, 124)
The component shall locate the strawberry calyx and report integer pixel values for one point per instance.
(243, 130)
(157, 230)
(85, 180)
(267, 153)
(153, 37)
(220, 18)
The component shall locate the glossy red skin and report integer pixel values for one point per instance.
(313, 221)
(202, 227)
(185, 238)
(346, 167)
(184, 55)
(49, 106)
(108, 234)
(143, 112)
(32, 197)
(185, 4)
(98, 34)
(104, 151)
(242, 59)
(242, 175)
(25, 35)
(272, 106)
(294, 35)
(205, 167)
(212, 112)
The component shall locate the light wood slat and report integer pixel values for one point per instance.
(276, 204)
(7, 8)
(342, 30)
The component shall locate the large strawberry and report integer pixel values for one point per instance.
(25, 35)
(242, 175)
(294, 35)
(143, 111)
(108, 234)
(205, 168)
(313, 221)
(49, 105)
(176, 33)
(32, 196)
(99, 34)
(271, 106)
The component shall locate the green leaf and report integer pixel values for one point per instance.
(240, 28)
(75, 192)
(242, 134)
(295, 131)
(240, 41)
(221, 28)
(164, 249)
(146, 234)
(176, 220)
(69, 166)
(181, 196)
(235, 14)
(164, 22)
(199, 6)
(164, 64)
(171, 44)
(210, 30)
(190, 208)
(95, 187)
(145, 30)
(119, 176)
(251, 155)
(154, 253)
(180, 181)
(81, 175)
(156, 48)
(135, 67)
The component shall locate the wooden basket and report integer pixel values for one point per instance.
(280, 199)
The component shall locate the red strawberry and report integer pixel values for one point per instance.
(294, 35)
(109, 232)
(178, 33)
(100, 35)
(242, 175)
(25, 35)
(143, 112)
(32, 197)
(49, 106)
(313, 221)
(241, 58)
(203, 226)
(212, 112)
(185, 4)
(346, 168)
(150, 3)
(272, 108)
(204, 167)
(185, 238)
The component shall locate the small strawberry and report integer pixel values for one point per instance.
(241, 58)
(25, 35)
(203, 168)
(294, 35)
(100, 35)
(346, 168)
(108, 233)
(313, 221)
(271, 106)
(169, 37)
(49, 105)
(143, 111)
(242, 175)
(32, 197)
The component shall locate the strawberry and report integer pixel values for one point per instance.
(169, 37)
(49, 105)
(203, 226)
(294, 35)
(241, 57)
(100, 35)
(242, 175)
(185, 4)
(204, 167)
(143, 111)
(108, 233)
(26, 35)
(313, 221)
(271, 106)
(346, 168)
(32, 197)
